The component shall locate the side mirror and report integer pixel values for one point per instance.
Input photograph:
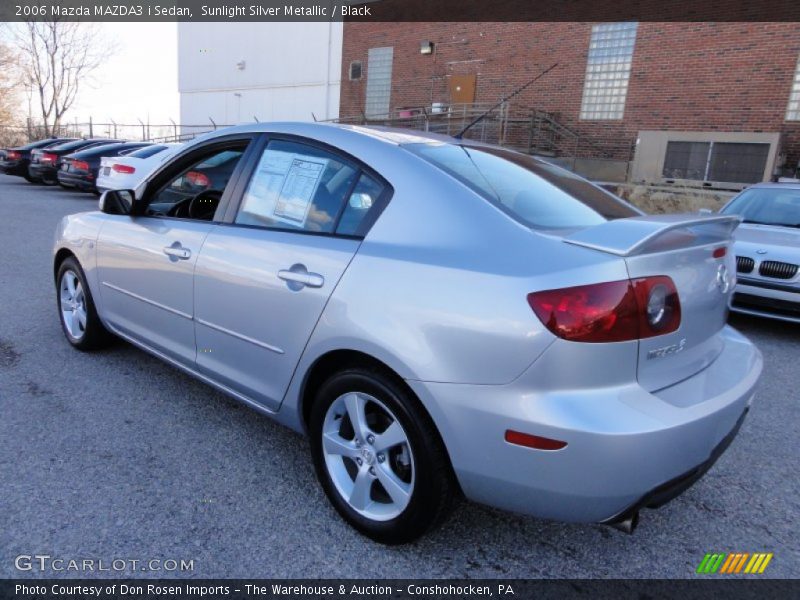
(117, 202)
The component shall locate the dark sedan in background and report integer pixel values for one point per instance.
(45, 163)
(80, 169)
(16, 160)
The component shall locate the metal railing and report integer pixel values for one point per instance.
(521, 128)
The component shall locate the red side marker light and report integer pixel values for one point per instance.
(720, 252)
(533, 441)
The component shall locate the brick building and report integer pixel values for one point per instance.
(710, 104)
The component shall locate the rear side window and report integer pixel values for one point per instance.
(147, 151)
(533, 192)
(365, 195)
(299, 187)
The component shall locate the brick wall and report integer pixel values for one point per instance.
(685, 76)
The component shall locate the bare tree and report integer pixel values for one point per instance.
(56, 57)
(11, 132)
(7, 84)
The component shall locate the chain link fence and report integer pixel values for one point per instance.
(17, 134)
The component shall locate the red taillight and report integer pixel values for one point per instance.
(13, 155)
(124, 169)
(198, 179)
(614, 311)
(533, 441)
(47, 157)
(80, 164)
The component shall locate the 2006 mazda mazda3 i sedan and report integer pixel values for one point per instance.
(438, 316)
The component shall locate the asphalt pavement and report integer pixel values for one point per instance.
(118, 456)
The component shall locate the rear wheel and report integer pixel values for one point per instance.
(378, 457)
(79, 321)
(30, 179)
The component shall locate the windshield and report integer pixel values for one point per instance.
(767, 206)
(534, 192)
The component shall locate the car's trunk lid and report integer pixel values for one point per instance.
(686, 248)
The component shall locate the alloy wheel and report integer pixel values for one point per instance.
(73, 304)
(368, 456)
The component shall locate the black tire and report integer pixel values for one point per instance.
(94, 335)
(434, 488)
(49, 182)
(30, 179)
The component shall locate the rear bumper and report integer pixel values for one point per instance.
(79, 181)
(39, 171)
(775, 300)
(13, 168)
(625, 445)
(665, 492)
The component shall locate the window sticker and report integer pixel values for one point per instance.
(284, 185)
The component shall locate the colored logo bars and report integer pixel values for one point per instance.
(741, 562)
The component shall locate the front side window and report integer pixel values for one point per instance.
(195, 192)
(608, 69)
(531, 191)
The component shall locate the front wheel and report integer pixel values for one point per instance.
(79, 321)
(378, 456)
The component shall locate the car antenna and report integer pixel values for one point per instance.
(480, 118)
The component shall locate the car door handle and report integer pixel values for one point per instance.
(178, 252)
(313, 280)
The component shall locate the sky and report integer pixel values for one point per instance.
(138, 80)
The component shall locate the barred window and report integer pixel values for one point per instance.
(608, 70)
(793, 112)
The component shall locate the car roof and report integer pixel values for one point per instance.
(775, 185)
(99, 149)
(388, 135)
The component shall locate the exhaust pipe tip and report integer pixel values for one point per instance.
(627, 524)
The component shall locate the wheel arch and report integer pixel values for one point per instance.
(331, 362)
(61, 255)
(336, 360)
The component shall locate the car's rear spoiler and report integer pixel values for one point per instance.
(637, 235)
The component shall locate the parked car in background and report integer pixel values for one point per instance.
(79, 169)
(438, 315)
(125, 172)
(768, 251)
(46, 162)
(16, 160)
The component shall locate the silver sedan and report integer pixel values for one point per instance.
(440, 317)
(768, 251)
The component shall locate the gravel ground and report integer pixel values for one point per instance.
(116, 455)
